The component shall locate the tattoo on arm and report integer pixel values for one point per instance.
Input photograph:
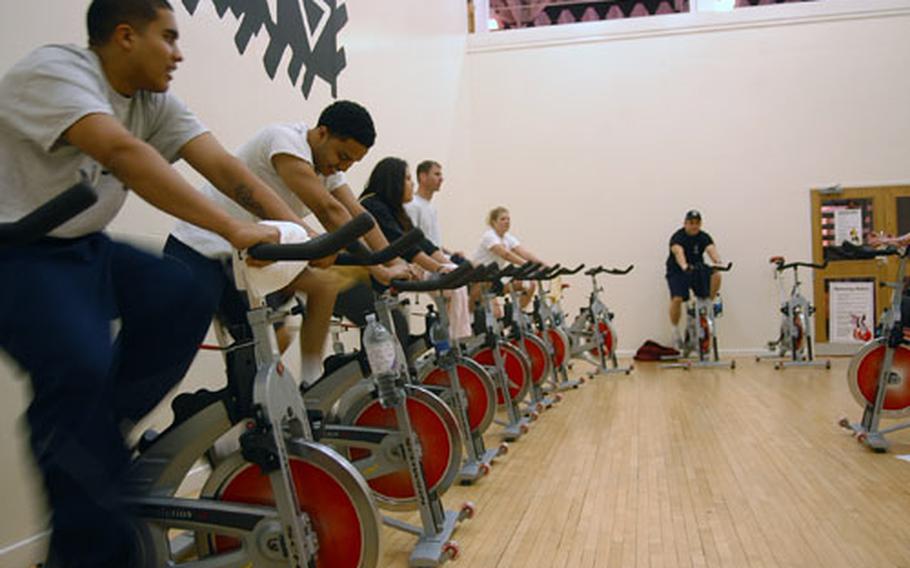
(244, 196)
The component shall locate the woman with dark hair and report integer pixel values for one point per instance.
(388, 189)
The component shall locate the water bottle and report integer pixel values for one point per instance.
(439, 337)
(718, 306)
(380, 347)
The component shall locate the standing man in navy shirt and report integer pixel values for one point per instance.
(688, 245)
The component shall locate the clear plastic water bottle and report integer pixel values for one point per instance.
(380, 347)
(439, 336)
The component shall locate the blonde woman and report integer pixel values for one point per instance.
(498, 245)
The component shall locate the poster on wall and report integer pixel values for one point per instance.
(848, 226)
(851, 311)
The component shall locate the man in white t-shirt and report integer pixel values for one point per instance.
(421, 210)
(424, 216)
(305, 166)
(104, 114)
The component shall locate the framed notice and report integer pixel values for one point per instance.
(851, 310)
(843, 219)
(848, 226)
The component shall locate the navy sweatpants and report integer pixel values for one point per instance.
(57, 301)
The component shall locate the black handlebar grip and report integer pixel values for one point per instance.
(618, 272)
(454, 279)
(513, 271)
(527, 271)
(317, 247)
(570, 271)
(401, 246)
(49, 216)
(806, 264)
(543, 273)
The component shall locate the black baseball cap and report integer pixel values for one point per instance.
(693, 215)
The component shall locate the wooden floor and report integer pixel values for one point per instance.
(709, 468)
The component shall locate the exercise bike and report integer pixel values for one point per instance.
(506, 363)
(795, 335)
(701, 331)
(282, 500)
(403, 438)
(550, 328)
(879, 373)
(539, 352)
(460, 381)
(592, 335)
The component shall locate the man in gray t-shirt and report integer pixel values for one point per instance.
(104, 113)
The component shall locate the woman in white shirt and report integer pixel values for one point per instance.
(498, 245)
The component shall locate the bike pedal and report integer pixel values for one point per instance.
(146, 439)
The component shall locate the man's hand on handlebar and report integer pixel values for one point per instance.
(244, 235)
(385, 274)
(880, 239)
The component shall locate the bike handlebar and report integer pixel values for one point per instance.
(544, 272)
(781, 266)
(317, 247)
(614, 271)
(401, 246)
(570, 271)
(455, 279)
(49, 216)
(517, 272)
(713, 267)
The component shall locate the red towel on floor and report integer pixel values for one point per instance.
(654, 351)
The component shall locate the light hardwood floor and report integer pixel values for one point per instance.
(708, 468)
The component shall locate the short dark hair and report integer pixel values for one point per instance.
(425, 166)
(105, 15)
(347, 119)
(386, 183)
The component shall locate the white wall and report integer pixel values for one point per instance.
(598, 147)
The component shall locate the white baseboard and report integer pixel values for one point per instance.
(822, 349)
(32, 550)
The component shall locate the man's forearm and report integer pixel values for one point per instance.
(374, 238)
(237, 182)
(713, 254)
(141, 168)
(680, 258)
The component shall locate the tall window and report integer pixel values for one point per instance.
(746, 3)
(511, 14)
(514, 14)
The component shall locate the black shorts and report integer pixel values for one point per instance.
(680, 283)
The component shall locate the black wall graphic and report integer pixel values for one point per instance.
(309, 28)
